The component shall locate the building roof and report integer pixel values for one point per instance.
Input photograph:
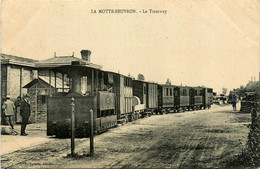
(65, 61)
(15, 60)
(45, 79)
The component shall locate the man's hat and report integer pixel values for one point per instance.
(8, 96)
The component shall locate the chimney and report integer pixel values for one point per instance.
(85, 55)
(254, 78)
(259, 76)
(251, 78)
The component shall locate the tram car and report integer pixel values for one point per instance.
(166, 98)
(183, 98)
(147, 93)
(198, 98)
(122, 87)
(152, 98)
(209, 95)
(202, 98)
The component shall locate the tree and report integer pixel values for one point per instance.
(224, 91)
(140, 77)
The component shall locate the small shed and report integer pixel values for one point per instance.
(39, 89)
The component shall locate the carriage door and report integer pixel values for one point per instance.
(145, 95)
(191, 97)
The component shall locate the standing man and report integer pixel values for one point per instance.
(17, 105)
(234, 100)
(8, 109)
(25, 112)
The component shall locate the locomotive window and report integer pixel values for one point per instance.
(112, 112)
(84, 84)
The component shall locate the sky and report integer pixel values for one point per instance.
(215, 43)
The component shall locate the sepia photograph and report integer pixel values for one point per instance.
(130, 84)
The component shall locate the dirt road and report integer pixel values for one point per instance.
(206, 138)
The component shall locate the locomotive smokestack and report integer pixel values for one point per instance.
(85, 55)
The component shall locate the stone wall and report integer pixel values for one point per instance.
(12, 81)
(3, 80)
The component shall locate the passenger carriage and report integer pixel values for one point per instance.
(183, 98)
(147, 93)
(166, 98)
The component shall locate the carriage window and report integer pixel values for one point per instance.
(170, 92)
(163, 92)
(144, 90)
(184, 92)
(167, 91)
(175, 93)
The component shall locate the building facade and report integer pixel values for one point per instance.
(15, 73)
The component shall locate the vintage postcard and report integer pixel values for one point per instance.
(130, 84)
